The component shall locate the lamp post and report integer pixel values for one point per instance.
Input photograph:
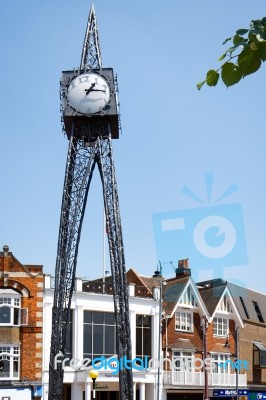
(206, 387)
(236, 337)
(93, 375)
(236, 366)
(158, 274)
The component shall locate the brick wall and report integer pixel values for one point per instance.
(28, 281)
(257, 332)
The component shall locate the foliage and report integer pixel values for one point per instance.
(244, 57)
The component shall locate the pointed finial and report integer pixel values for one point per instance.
(91, 52)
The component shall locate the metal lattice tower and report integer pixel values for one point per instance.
(90, 144)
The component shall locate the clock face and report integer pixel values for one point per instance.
(89, 93)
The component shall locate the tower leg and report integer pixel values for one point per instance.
(79, 168)
(117, 261)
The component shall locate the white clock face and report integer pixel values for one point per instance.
(89, 93)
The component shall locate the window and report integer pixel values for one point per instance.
(184, 321)
(188, 298)
(98, 334)
(224, 305)
(69, 338)
(257, 309)
(10, 312)
(182, 360)
(221, 363)
(259, 355)
(220, 326)
(9, 361)
(244, 307)
(143, 336)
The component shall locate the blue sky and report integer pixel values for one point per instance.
(173, 135)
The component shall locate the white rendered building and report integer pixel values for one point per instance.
(91, 335)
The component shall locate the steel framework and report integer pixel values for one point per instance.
(89, 145)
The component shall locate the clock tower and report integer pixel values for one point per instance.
(90, 119)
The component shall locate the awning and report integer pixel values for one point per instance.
(259, 345)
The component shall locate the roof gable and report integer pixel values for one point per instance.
(182, 292)
(218, 298)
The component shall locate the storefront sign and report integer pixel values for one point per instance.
(257, 396)
(229, 392)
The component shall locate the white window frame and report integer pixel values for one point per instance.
(188, 299)
(10, 352)
(222, 330)
(224, 306)
(13, 302)
(221, 358)
(184, 324)
(186, 357)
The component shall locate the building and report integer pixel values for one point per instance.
(251, 337)
(92, 335)
(21, 307)
(197, 324)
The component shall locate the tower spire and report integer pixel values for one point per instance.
(91, 52)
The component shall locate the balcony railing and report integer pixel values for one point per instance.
(185, 378)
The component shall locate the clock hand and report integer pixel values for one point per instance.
(98, 90)
(87, 91)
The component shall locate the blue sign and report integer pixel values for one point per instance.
(230, 392)
(257, 396)
(37, 391)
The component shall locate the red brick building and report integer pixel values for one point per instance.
(21, 328)
(251, 338)
(198, 323)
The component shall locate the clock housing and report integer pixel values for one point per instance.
(73, 115)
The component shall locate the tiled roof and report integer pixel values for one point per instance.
(211, 296)
(244, 299)
(251, 305)
(181, 343)
(151, 282)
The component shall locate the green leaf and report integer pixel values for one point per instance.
(212, 78)
(238, 40)
(222, 57)
(200, 84)
(263, 21)
(242, 31)
(252, 37)
(249, 61)
(231, 74)
(227, 40)
(262, 51)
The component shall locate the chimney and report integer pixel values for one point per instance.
(5, 249)
(183, 268)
